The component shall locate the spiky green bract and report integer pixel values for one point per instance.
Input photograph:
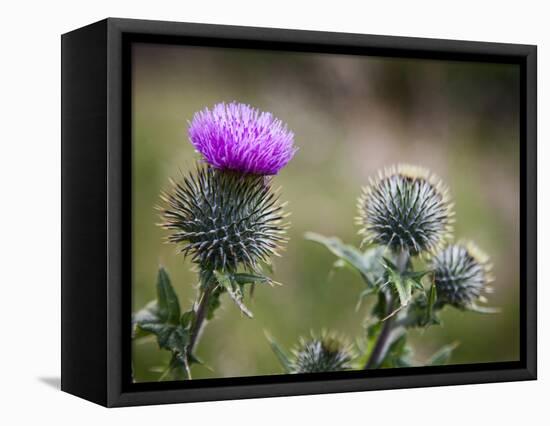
(461, 275)
(319, 354)
(405, 208)
(224, 220)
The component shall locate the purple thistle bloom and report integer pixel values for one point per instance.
(238, 137)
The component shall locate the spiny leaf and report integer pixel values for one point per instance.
(281, 355)
(161, 317)
(482, 309)
(388, 264)
(432, 298)
(404, 290)
(167, 300)
(416, 275)
(234, 291)
(193, 359)
(367, 264)
(244, 278)
(187, 319)
(422, 311)
(401, 284)
(173, 338)
(363, 295)
(149, 314)
(443, 355)
(178, 368)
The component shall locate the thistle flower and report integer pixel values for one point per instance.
(324, 353)
(461, 275)
(224, 220)
(405, 208)
(238, 137)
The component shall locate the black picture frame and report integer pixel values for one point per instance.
(96, 179)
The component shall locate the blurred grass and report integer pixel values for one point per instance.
(351, 116)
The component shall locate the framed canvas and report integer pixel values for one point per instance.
(254, 212)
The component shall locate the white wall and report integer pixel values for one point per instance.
(30, 210)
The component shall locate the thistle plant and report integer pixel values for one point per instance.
(316, 354)
(462, 273)
(410, 268)
(225, 217)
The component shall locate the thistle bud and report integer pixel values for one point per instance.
(405, 208)
(223, 219)
(461, 275)
(320, 354)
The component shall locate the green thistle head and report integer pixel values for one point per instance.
(324, 353)
(405, 208)
(461, 275)
(224, 220)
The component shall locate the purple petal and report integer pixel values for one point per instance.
(238, 137)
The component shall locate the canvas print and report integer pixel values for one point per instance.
(303, 213)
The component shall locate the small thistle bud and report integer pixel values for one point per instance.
(224, 219)
(461, 274)
(241, 138)
(405, 208)
(320, 354)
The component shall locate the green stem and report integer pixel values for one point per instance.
(172, 365)
(201, 308)
(382, 344)
(165, 373)
(387, 334)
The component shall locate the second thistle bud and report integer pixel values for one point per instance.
(405, 208)
(461, 275)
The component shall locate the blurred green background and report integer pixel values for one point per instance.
(351, 116)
